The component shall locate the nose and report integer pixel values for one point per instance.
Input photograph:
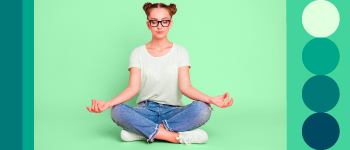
(159, 26)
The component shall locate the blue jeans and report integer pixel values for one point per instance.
(145, 120)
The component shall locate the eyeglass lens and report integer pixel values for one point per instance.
(165, 23)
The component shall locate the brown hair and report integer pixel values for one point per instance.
(171, 8)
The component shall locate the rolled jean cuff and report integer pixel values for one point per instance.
(151, 137)
(166, 125)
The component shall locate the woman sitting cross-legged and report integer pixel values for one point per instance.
(159, 73)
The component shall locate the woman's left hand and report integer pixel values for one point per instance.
(219, 100)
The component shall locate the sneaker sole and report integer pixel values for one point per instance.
(125, 136)
(204, 134)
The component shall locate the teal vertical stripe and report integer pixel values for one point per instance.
(11, 74)
(299, 72)
(28, 74)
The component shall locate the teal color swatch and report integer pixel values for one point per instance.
(320, 56)
(320, 93)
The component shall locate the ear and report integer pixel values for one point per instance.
(148, 25)
(171, 24)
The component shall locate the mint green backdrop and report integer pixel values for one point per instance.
(82, 51)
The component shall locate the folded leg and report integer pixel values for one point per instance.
(189, 117)
(132, 119)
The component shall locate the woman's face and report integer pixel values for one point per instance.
(159, 14)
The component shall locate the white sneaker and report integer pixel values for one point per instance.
(196, 136)
(129, 136)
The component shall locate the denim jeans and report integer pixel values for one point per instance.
(145, 120)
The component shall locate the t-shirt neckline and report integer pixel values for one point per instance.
(160, 56)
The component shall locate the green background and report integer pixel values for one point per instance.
(297, 74)
(82, 51)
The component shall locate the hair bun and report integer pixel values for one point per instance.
(146, 6)
(172, 9)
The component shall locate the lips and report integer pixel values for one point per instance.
(159, 32)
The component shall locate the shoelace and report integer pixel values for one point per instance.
(186, 138)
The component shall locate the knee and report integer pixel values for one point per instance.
(204, 109)
(116, 110)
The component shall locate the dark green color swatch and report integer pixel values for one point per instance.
(321, 131)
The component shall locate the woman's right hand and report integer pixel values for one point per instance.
(98, 106)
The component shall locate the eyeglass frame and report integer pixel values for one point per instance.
(158, 22)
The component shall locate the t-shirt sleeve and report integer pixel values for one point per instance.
(184, 58)
(134, 60)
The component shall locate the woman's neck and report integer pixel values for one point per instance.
(157, 43)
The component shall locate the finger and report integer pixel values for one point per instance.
(92, 105)
(228, 96)
(227, 100)
(90, 110)
(96, 107)
(225, 95)
(229, 103)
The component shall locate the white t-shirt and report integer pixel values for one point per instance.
(159, 75)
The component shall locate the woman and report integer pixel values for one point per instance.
(159, 70)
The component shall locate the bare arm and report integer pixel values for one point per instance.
(186, 87)
(124, 96)
(194, 94)
(188, 90)
(132, 89)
